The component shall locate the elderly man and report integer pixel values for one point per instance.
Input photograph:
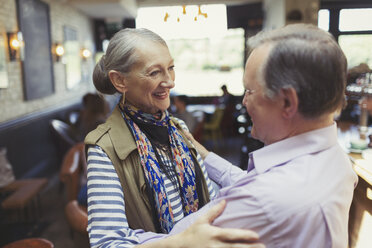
(298, 188)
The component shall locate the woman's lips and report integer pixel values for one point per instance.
(161, 95)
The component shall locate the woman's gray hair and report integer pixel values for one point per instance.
(120, 56)
(308, 59)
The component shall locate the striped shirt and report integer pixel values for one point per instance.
(107, 222)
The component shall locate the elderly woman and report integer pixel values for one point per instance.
(143, 174)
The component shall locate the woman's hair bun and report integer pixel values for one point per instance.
(101, 79)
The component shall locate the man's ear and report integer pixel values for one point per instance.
(290, 102)
(118, 81)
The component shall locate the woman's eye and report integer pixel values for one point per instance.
(154, 73)
(171, 68)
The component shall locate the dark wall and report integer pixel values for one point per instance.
(104, 31)
(246, 16)
(38, 78)
(31, 145)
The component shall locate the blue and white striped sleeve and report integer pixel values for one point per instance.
(211, 188)
(107, 222)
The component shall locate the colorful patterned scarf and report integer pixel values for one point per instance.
(182, 161)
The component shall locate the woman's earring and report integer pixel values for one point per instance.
(123, 99)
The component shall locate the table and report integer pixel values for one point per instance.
(360, 220)
(346, 132)
(22, 193)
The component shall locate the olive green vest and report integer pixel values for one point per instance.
(115, 138)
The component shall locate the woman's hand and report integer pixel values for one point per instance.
(199, 147)
(202, 234)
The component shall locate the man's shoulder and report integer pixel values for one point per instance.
(303, 182)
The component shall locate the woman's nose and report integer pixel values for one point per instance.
(169, 83)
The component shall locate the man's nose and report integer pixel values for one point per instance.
(244, 101)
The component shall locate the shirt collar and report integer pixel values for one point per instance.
(285, 150)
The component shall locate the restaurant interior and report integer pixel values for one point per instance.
(48, 50)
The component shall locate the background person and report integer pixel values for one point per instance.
(227, 98)
(94, 112)
(228, 122)
(143, 175)
(180, 102)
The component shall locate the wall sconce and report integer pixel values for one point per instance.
(58, 51)
(85, 53)
(15, 46)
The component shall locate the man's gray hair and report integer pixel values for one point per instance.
(120, 56)
(308, 59)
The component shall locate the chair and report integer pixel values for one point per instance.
(64, 135)
(30, 243)
(73, 169)
(212, 128)
(77, 217)
(73, 117)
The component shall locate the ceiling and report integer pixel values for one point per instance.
(114, 9)
(120, 9)
(151, 3)
(106, 8)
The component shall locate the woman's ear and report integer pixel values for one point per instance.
(290, 102)
(118, 81)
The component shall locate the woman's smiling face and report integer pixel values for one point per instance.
(150, 78)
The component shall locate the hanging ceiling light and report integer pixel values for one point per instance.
(201, 13)
(184, 12)
(166, 16)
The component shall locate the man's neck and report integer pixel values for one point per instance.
(301, 125)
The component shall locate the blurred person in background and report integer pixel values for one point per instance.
(228, 122)
(94, 112)
(227, 98)
(180, 102)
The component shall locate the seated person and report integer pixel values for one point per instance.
(355, 72)
(94, 112)
(82, 197)
(298, 188)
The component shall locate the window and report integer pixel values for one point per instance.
(207, 54)
(354, 32)
(323, 19)
(357, 49)
(355, 19)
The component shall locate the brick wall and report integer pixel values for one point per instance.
(12, 103)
